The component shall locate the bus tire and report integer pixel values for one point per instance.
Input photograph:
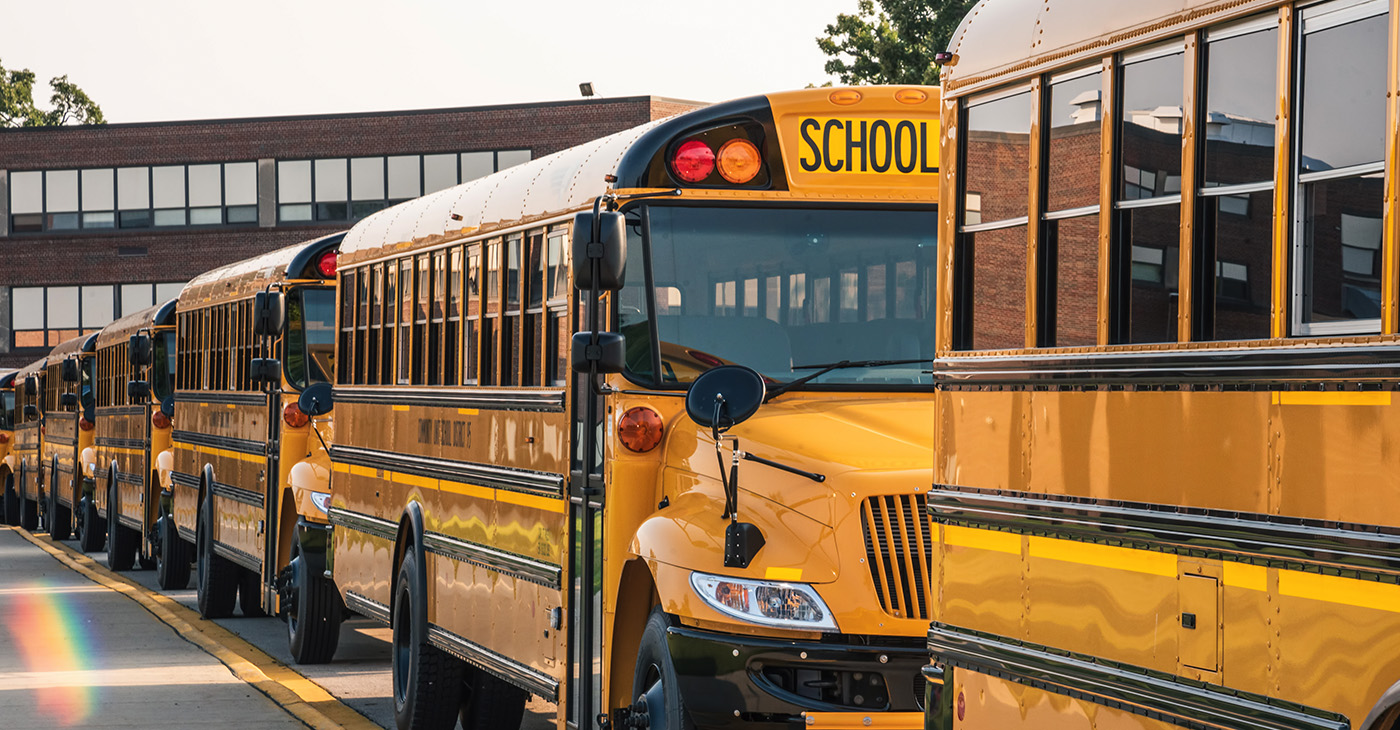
(489, 702)
(250, 594)
(313, 614)
(216, 583)
(11, 502)
(92, 530)
(172, 559)
(427, 681)
(60, 517)
(28, 513)
(655, 675)
(121, 545)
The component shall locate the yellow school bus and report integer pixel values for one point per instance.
(518, 545)
(26, 450)
(68, 422)
(135, 402)
(1165, 488)
(242, 485)
(7, 438)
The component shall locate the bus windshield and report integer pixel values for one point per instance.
(310, 336)
(784, 291)
(163, 366)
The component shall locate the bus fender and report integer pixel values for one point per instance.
(165, 463)
(1386, 714)
(304, 478)
(689, 535)
(11, 464)
(410, 538)
(89, 459)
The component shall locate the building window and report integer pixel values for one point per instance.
(133, 197)
(47, 316)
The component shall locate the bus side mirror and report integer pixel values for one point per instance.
(31, 412)
(316, 400)
(609, 250)
(138, 350)
(610, 352)
(70, 371)
(137, 391)
(265, 370)
(31, 386)
(68, 400)
(267, 313)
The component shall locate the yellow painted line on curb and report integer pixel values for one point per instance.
(300, 697)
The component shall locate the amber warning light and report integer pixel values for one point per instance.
(640, 429)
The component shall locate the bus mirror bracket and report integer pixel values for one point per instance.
(70, 371)
(265, 370)
(316, 400)
(68, 400)
(138, 350)
(600, 237)
(31, 412)
(138, 391)
(267, 314)
(610, 352)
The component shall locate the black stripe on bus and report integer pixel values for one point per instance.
(502, 561)
(122, 443)
(373, 526)
(124, 477)
(121, 411)
(246, 560)
(238, 494)
(1138, 690)
(1281, 542)
(367, 607)
(184, 480)
(131, 522)
(229, 443)
(500, 665)
(59, 440)
(546, 400)
(1273, 368)
(222, 398)
(544, 484)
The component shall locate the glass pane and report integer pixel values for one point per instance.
(511, 158)
(1075, 131)
(62, 221)
(330, 181)
(294, 181)
(241, 183)
(1241, 98)
(169, 186)
(998, 159)
(535, 266)
(99, 189)
(1151, 310)
(1151, 127)
(63, 306)
(439, 172)
(135, 218)
(556, 277)
(165, 291)
(403, 177)
(367, 178)
(1241, 227)
(998, 297)
(133, 188)
(206, 188)
(97, 306)
(61, 195)
(294, 212)
(1343, 95)
(477, 164)
(136, 297)
(1342, 234)
(206, 216)
(1073, 245)
(242, 214)
(100, 220)
(28, 308)
(513, 273)
(26, 192)
(170, 217)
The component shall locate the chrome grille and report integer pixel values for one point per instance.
(899, 549)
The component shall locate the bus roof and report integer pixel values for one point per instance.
(1001, 39)
(242, 279)
(32, 368)
(160, 315)
(79, 344)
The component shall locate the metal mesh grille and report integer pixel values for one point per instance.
(899, 549)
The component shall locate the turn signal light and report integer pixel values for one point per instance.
(739, 161)
(160, 420)
(4, 438)
(327, 264)
(85, 424)
(693, 161)
(844, 97)
(293, 416)
(911, 96)
(640, 429)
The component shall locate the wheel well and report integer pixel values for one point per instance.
(401, 542)
(286, 528)
(628, 623)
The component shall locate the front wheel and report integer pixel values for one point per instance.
(427, 681)
(92, 530)
(313, 614)
(28, 513)
(60, 517)
(172, 557)
(489, 702)
(655, 689)
(216, 583)
(11, 502)
(121, 541)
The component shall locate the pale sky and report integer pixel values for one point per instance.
(160, 60)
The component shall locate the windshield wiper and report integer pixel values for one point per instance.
(825, 368)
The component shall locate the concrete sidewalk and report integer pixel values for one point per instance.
(74, 653)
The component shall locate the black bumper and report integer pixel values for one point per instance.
(731, 681)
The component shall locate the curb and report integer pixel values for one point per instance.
(300, 697)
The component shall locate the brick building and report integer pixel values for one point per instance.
(98, 221)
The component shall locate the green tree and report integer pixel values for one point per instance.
(893, 46)
(71, 105)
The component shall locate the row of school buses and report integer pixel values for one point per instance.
(836, 408)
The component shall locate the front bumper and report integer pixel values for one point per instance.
(731, 681)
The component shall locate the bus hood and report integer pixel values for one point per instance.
(864, 446)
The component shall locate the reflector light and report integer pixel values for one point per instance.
(640, 429)
(4, 438)
(911, 96)
(293, 416)
(693, 161)
(160, 420)
(739, 161)
(844, 97)
(326, 264)
(85, 424)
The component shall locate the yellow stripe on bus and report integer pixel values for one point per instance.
(1244, 575)
(1336, 589)
(413, 480)
(1001, 542)
(469, 490)
(467, 411)
(544, 504)
(1334, 398)
(211, 451)
(1104, 556)
(399, 408)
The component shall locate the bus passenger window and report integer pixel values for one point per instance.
(472, 328)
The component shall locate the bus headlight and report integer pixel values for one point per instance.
(322, 500)
(770, 603)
